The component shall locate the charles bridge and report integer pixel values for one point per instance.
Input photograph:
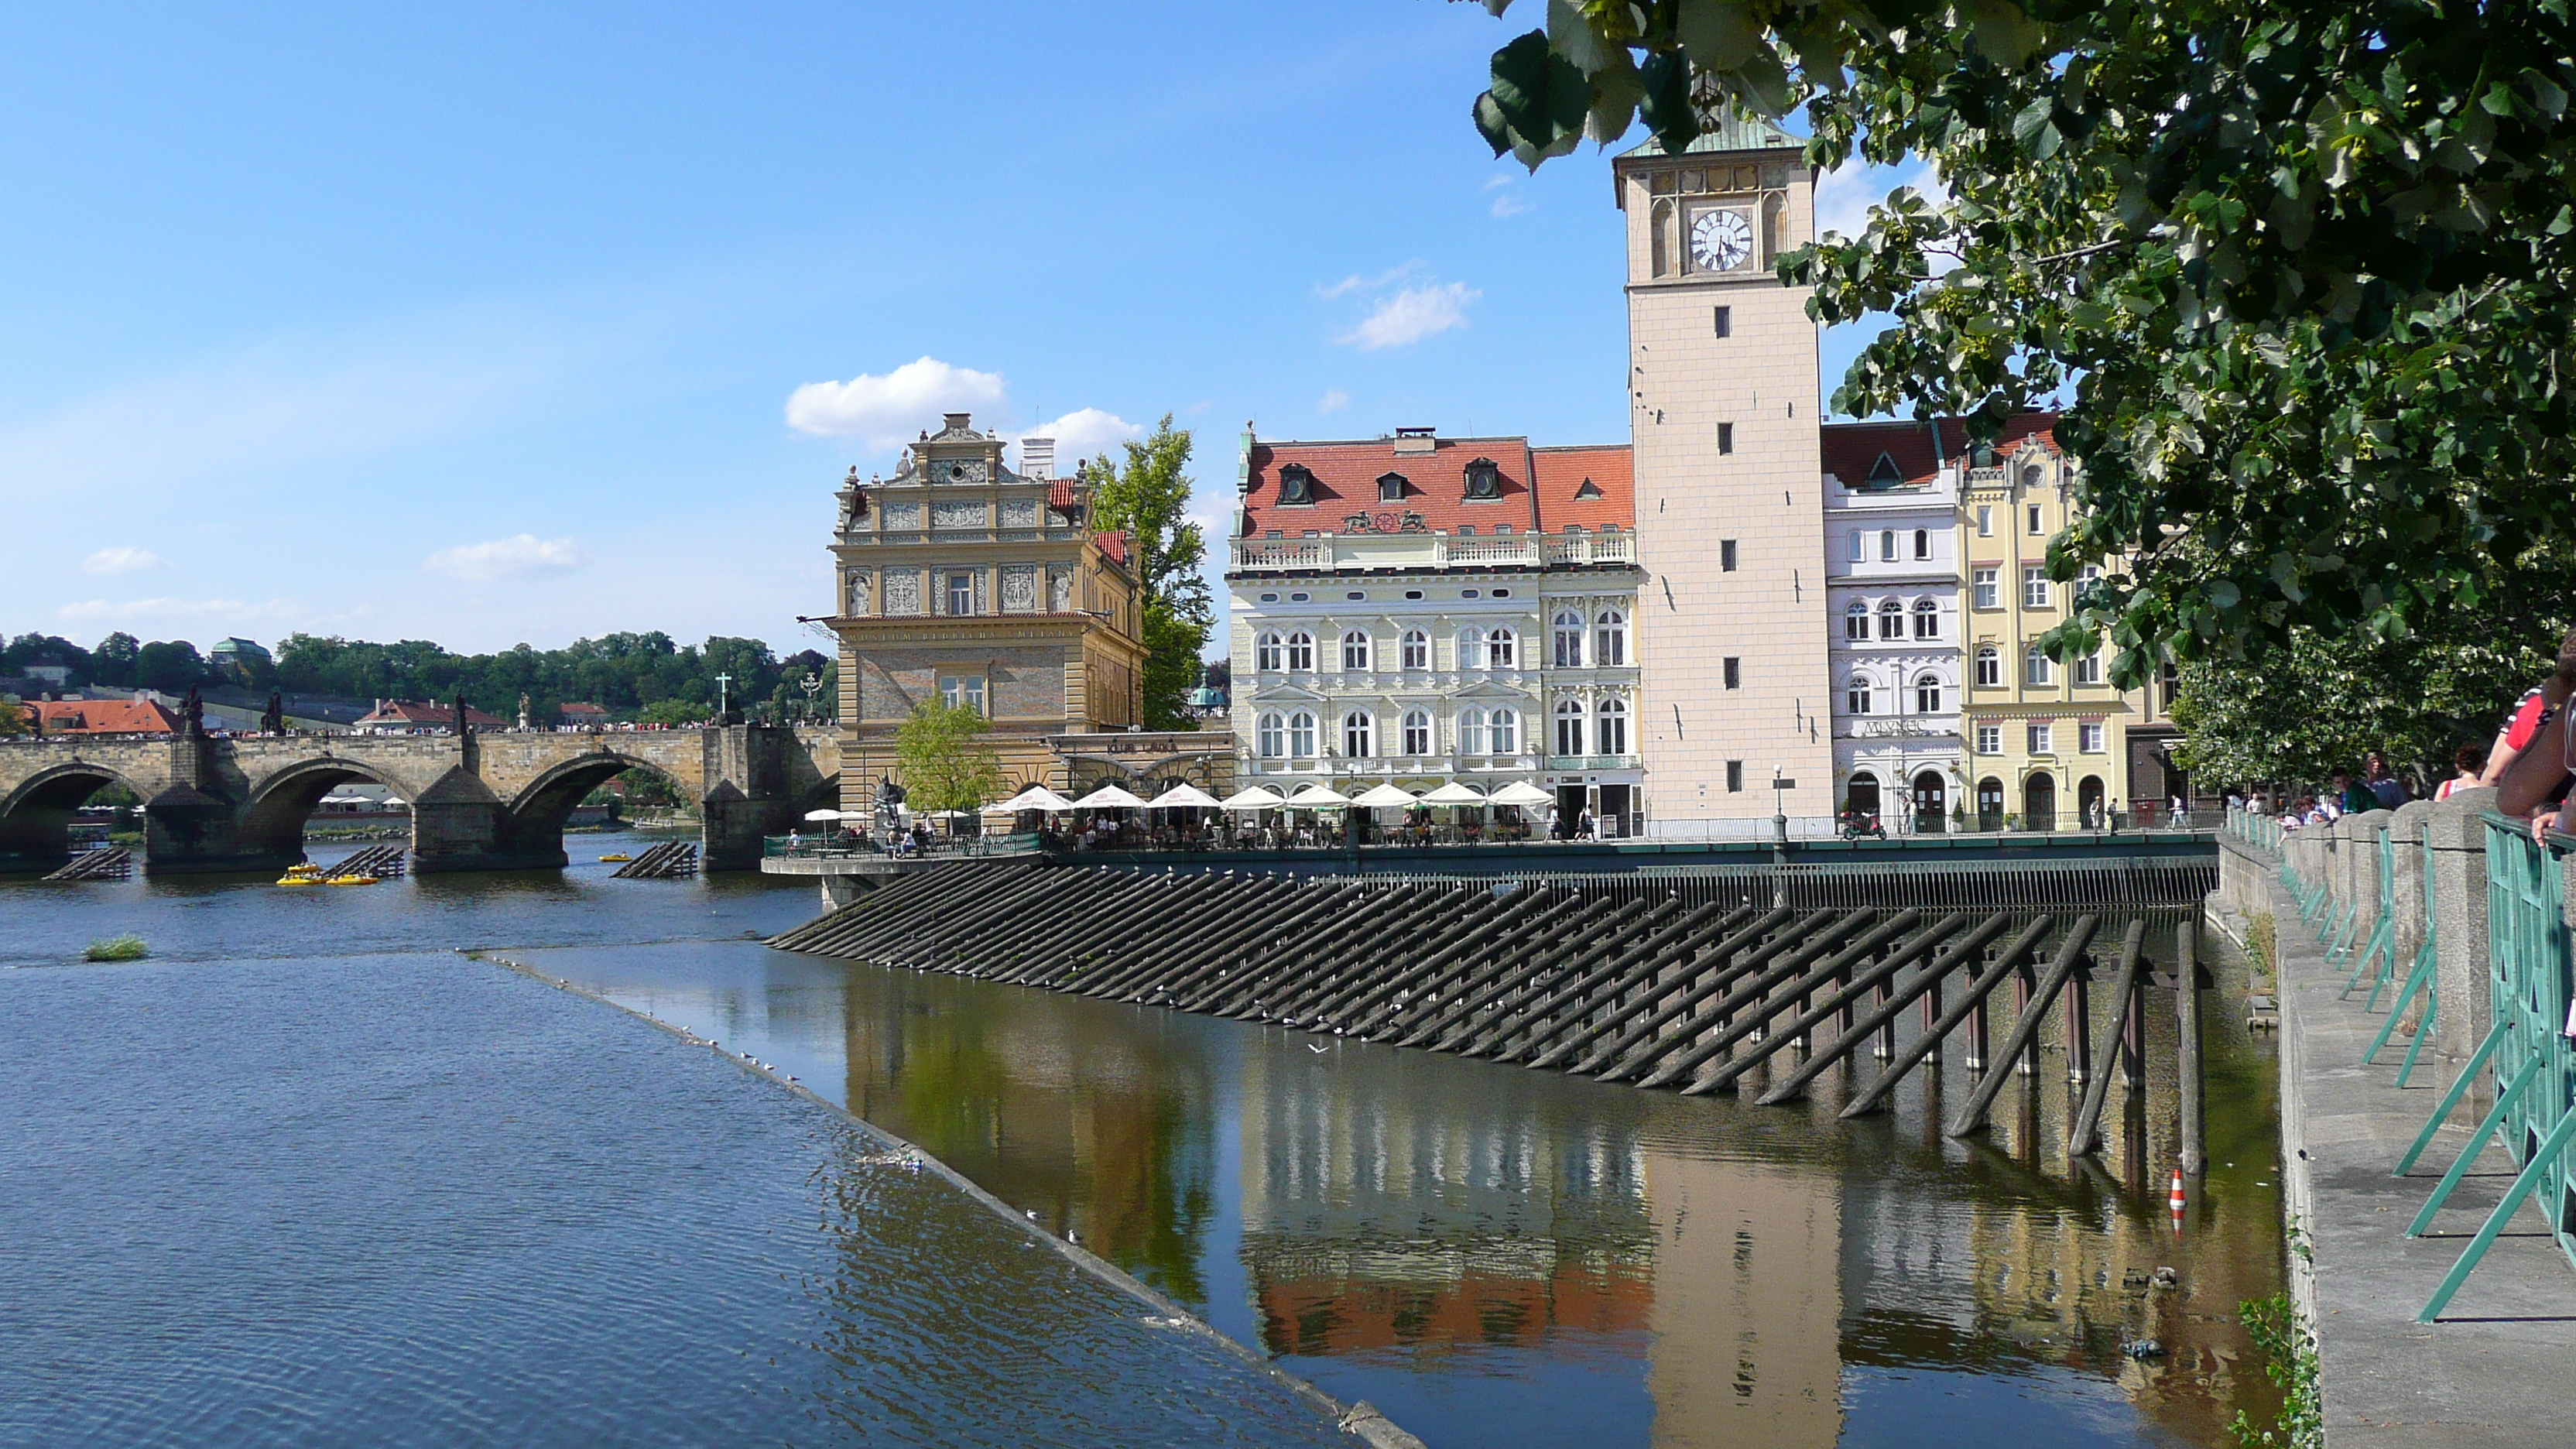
(479, 800)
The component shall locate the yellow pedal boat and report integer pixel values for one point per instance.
(616, 857)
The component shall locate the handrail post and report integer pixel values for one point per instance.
(2456, 829)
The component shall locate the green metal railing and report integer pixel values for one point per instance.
(2528, 1057)
(2253, 827)
(946, 847)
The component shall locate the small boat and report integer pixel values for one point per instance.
(301, 875)
(346, 880)
(615, 857)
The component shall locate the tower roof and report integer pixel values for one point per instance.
(1731, 133)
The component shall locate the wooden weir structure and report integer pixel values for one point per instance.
(1688, 982)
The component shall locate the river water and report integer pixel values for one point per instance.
(310, 1175)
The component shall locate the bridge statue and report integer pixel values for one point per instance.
(492, 802)
(462, 728)
(272, 720)
(890, 798)
(192, 714)
(523, 714)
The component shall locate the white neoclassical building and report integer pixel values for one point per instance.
(1892, 585)
(1400, 610)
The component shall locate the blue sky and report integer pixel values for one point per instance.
(489, 325)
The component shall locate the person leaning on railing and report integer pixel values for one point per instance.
(2535, 756)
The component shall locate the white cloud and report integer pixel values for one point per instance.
(1083, 433)
(1845, 195)
(1333, 401)
(121, 560)
(504, 558)
(1358, 283)
(886, 412)
(1509, 205)
(1500, 179)
(138, 609)
(1411, 315)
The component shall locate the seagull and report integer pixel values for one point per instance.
(1310, 1046)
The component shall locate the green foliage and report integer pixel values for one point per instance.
(116, 948)
(113, 661)
(2306, 267)
(622, 672)
(1149, 497)
(172, 667)
(2304, 707)
(675, 712)
(2289, 1360)
(28, 649)
(13, 716)
(943, 760)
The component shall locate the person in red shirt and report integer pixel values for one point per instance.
(2534, 755)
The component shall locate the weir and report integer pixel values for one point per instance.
(1678, 982)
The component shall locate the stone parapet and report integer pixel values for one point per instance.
(2458, 835)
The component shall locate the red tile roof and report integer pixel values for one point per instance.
(1593, 488)
(1060, 495)
(1346, 484)
(104, 716)
(582, 711)
(425, 715)
(1851, 450)
(1114, 545)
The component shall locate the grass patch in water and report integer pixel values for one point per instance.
(116, 948)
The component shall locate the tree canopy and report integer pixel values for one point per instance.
(1148, 495)
(945, 763)
(2304, 268)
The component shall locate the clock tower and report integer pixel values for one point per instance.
(1723, 412)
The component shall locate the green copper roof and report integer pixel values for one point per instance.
(1729, 134)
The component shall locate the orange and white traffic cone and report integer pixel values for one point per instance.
(2177, 1199)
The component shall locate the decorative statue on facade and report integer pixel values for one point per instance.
(890, 798)
(272, 720)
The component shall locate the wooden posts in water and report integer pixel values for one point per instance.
(2187, 1010)
(2129, 1001)
(2025, 1032)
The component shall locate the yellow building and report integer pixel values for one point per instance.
(2045, 740)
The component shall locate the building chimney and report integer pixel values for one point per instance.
(1409, 441)
(1037, 459)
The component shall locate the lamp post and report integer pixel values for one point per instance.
(1780, 815)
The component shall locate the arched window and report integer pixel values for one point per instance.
(1922, 543)
(1355, 649)
(1663, 242)
(1990, 667)
(1273, 736)
(1891, 620)
(1856, 622)
(1927, 694)
(1417, 732)
(1266, 654)
(1301, 653)
(1927, 619)
(1359, 735)
(1569, 640)
(1569, 727)
(1502, 649)
(1610, 639)
(1610, 727)
(1471, 732)
(1301, 735)
(1852, 541)
(2037, 667)
(1503, 731)
(1417, 649)
(1856, 694)
(1471, 647)
(1887, 545)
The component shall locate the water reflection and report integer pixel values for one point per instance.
(1498, 1256)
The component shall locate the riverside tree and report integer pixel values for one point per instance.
(1149, 496)
(2304, 268)
(945, 763)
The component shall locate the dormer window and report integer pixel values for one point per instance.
(1390, 488)
(1484, 481)
(1296, 485)
(1884, 473)
(1589, 489)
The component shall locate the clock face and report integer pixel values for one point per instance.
(1721, 240)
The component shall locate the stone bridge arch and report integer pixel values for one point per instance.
(272, 820)
(36, 813)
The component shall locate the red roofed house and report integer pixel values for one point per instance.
(1419, 610)
(403, 716)
(104, 716)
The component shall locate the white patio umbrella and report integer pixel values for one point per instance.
(1257, 797)
(1109, 797)
(1521, 792)
(1383, 796)
(1036, 797)
(826, 815)
(1453, 793)
(1185, 796)
(1317, 797)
